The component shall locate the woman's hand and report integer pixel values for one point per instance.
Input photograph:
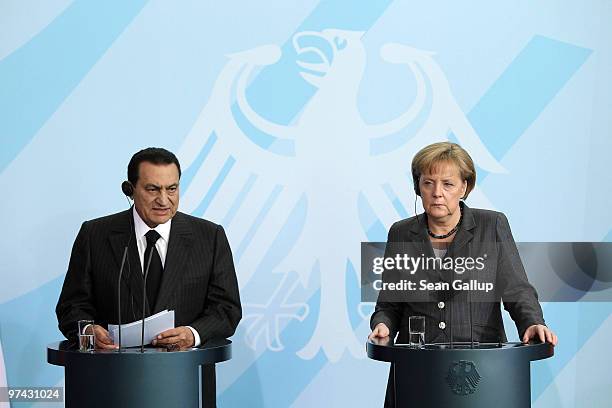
(380, 331)
(541, 332)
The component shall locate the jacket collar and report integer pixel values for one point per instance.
(418, 230)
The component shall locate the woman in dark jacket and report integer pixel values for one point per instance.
(443, 175)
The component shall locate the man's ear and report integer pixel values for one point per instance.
(128, 189)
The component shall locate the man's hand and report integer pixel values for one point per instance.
(180, 336)
(541, 332)
(380, 331)
(103, 339)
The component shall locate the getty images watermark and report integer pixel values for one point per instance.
(403, 272)
(407, 264)
(559, 271)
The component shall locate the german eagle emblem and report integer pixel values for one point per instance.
(463, 378)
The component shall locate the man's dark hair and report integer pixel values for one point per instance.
(154, 155)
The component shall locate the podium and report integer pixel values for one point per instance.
(483, 376)
(155, 378)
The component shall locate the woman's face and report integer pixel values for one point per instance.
(441, 189)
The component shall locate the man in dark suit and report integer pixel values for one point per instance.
(191, 270)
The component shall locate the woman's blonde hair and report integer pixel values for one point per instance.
(444, 152)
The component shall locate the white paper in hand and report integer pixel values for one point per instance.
(131, 332)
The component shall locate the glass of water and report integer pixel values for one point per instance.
(87, 340)
(416, 329)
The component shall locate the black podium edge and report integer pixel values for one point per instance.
(391, 353)
(215, 352)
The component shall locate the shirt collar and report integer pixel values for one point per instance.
(141, 228)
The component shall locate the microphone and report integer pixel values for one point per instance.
(123, 259)
(125, 251)
(144, 299)
(451, 324)
(470, 300)
(471, 325)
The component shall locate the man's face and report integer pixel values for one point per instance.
(156, 193)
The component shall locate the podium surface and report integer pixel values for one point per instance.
(155, 378)
(436, 375)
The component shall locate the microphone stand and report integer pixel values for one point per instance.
(470, 300)
(119, 292)
(471, 325)
(144, 299)
(123, 259)
(451, 324)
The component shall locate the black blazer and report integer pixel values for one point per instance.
(199, 281)
(480, 231)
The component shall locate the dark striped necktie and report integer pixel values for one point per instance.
(155, 269)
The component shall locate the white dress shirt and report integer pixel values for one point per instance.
(140, 230)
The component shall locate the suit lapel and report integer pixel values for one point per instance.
(121, 234)
(464, 234)
(417, 234)
(179, 250)
(463, 237)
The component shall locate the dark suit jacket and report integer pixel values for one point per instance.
(480, 231)
(199, 281)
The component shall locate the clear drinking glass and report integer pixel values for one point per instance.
(87, 340)
(416, 329)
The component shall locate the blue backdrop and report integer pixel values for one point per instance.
(295, 123)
